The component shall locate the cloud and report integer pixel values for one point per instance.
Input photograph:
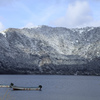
(29, 25)
(1, 27)
(94, 23)
(78, 14)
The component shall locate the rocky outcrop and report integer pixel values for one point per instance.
(50, 50)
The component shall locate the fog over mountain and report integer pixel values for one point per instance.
(50, 50)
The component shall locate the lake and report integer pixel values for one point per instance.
(55, 87)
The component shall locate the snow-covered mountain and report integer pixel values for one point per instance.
(50, 50)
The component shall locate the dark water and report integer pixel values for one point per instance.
(54, 87)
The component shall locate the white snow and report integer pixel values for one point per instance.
(3, 32)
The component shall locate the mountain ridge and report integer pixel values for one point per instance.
(50, 50)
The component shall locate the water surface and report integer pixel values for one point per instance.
(55, 87)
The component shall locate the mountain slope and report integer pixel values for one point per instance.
(49, 50)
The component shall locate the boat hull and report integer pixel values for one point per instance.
(4, 86)
(25, 88)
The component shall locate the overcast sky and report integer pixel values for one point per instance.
(56, 13)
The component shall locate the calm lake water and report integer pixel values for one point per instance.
(55, 87)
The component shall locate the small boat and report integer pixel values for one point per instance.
(3, 86)
(6, 86)
(26, 88)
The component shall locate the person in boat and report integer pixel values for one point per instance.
(11, 84)
(40, 86)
